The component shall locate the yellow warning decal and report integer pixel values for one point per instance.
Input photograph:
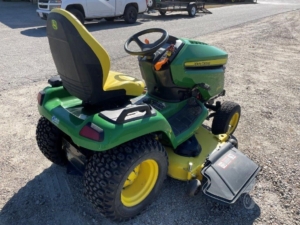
(214, 62)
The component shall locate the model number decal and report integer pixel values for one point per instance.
(214, 62)
(226, 160)
(202, 63)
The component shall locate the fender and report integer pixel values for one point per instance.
(58, 107)
(66, 112)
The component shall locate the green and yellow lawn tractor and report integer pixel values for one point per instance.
(125, 137)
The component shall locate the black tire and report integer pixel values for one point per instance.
(78, 14)
(110, 19)
(223, 118)
(130, 14)
(192, 10)
(248, 201)
(162, 12)
(49, 141)
(107, 174)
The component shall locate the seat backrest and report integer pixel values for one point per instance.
(82, 63)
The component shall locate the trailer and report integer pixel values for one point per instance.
(162, 6)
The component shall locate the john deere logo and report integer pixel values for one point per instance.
(54, 24)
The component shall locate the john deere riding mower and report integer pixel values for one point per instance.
(125, 137)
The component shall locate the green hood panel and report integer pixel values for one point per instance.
(198, 62)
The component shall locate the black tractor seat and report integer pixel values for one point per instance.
(83, 64)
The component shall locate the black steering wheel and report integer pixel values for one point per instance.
(147, 49)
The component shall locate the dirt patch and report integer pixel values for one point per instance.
(262, 75)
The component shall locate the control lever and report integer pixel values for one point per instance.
(165, 58)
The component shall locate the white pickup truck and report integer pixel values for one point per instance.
(87, 10)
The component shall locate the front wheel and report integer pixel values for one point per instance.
(226, 119)
(123, 181)
(130, 14)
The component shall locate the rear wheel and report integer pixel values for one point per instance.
(49, 141)
(123, 181)
(130, 14)
(226, 119)
(78, 14)
(192, 10)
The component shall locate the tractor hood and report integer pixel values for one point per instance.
(198, 62)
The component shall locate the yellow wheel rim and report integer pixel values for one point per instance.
(233, 123)
(139, 183)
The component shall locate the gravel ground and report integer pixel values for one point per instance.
(262, 75)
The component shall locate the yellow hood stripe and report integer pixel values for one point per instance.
(214, 62)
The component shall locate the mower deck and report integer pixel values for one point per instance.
(185, 168)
